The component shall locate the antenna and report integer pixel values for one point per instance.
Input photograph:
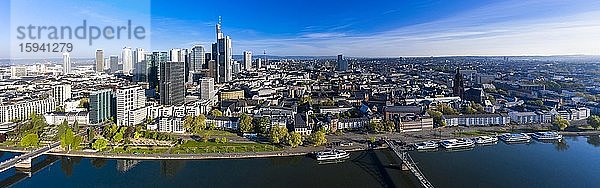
(220, 20)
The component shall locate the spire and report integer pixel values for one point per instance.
(218, 28)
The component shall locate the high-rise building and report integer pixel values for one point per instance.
(207, 58)
(176, 55)
(172, 83)
(197, 58)
(247, 60)
(114, 63)
(458, 85)
(221, 52)
(258, 63)
(60, 93)
(131, 102)
(66, 63)
(99, 60)
(342, 65)
(127, 59)
(207, 87)
(154, 68)
(100, 105)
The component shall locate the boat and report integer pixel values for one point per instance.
(485, 140)
(332, 154)
(426, 145)
(458, 143)
(547, 136)
(515, 137)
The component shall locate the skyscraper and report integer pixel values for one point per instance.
(342, 65)
(172, 83)
(197, 58)
(130, 105)
(207, 58)
(100, 105)
(114, 63)
(207, 86)
(99, 60)
(66, 63)
(127, 59)
(60, 93)
(247, 60)
(154, 68)
(221, 52)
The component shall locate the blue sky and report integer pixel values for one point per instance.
(367, 28)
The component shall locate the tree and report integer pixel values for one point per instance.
(76, 142)
(59, 109)
(390, 126)
(295, 139)
(91, 134)
(559, 123)
(223, 140)
(594, 121)
(376, 126)
(29, 140)
(317, 138)
(188, 123)
(305, 99)
(245, 123)
(75, 126)
(277, 134)
(215, 112)
(447, 110)
(212, 126)
(109, 131)
(66, 140)
(199, 123)
(137, 135)
(100, 144)
(62, 128)
(84, 103)
(469, 110)
(261, 124)
(437, 117)
(118, 137)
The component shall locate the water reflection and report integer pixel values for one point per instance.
(98, 163)
(561, 145)
(67, 164)
(594, 140)
(126, 165)
(169, 168)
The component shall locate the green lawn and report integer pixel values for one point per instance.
(230, 147)
(139, 150)
(216, 133)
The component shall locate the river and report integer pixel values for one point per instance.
(572, 163)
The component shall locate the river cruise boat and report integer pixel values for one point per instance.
(458, 143)
(426, 145)
(485, 140)
(547, 136)
(515, 137)
(332, 154)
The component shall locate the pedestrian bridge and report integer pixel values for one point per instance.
(24, 160)
(407, 162)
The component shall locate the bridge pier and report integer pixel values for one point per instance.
(26, 163)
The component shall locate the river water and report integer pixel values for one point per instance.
(572, 163)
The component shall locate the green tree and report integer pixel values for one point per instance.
(317, 138)
(100, 144)
(305, 99)
(59, 109)
(295, 139)
(559, 123)
(594, 121)
(245, 123)
(30, 140)
(376, 126)
(447, 110)
(437, 118)
(212, 126)
(188, 123)
(390, 126)
(66, 140)
(62, 128)
(75, 126)
(91, 134)
(215, 112)
(278, 134)
(137, 135)
(261, 124)
(76, 142)
(199, 123)
(223, 140)
(118, 137)
(469, 110)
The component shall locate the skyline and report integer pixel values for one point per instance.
(413, 28)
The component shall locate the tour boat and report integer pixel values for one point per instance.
(426, 145)
(332, 154)
(485, 139)
(515, 137)
(458, 143)
(547, 136)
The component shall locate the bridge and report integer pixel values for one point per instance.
(408, 162)
(24, 160)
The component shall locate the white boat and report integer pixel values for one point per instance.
(515, 137)
(426, 145)
(547, 136)
(485, 139)
(332, 154)
(458, 143)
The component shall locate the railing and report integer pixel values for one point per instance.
(410, 164)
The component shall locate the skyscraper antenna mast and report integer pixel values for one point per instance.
(220, 20)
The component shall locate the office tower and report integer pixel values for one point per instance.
(154, 68)
(100, 105)
(258, 63)
(342, 65)
(139, 55)
(458, 85)
(176, 55)
(138, 65)
(60, 93)
(221, 52)
(114, 63)
(99, 60)
(66, 63)
(127, 59)
(212, 69)
(247, 60)
(172, 90)
(197, 58)
(236, 67)
(207, 86)
(130, 105)
(141, 71)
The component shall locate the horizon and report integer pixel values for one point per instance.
(411, 29)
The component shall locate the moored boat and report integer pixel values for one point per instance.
(457, 143)
(426, 145)
(485, 140)
(515, 137)
(332, 154)
(547, 136)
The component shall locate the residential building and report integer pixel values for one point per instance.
(130, 105)
(100, 105)
(476, 119)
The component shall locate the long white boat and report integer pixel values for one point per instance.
(458, 143)
(485, 140)
(547, 136)
(426, 145)
(332, 154)
(515, 137)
